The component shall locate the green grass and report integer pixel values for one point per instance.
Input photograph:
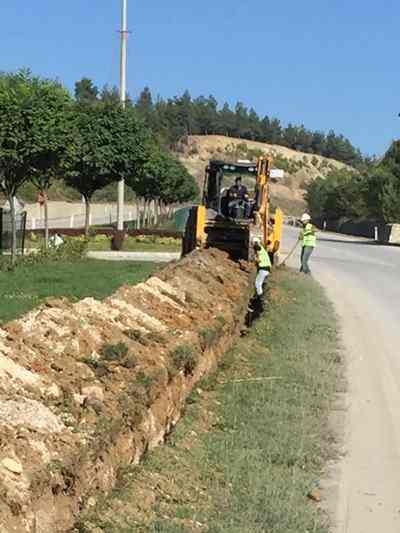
(133, 246)
(28, 285)
(255, 437)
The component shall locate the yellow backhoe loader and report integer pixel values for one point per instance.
(230, 223)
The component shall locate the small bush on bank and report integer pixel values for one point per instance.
(114, 352)
(186, 358)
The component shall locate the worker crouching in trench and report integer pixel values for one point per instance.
(263, 263)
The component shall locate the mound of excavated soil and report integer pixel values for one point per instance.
(86, 388)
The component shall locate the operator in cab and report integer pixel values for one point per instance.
(238, 191)
(238, 196)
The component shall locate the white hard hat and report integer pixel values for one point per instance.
(256, 240)
(305, 218)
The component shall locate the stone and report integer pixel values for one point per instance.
(15, 371)
(167, 289)
(97, 405)
(12, 465)
(30, 414)
(91, 502)
(79, 399)
(315, 495)
(53, 392)
(94, 392)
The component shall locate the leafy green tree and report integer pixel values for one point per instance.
(390, 195)
(241, 120)
(226, 121)
(164, 178)
(85, 91)
(205, 115)
(254, 125)
(318, 142)
(110, 95)
(390, 199)
(163, 181)
(33, 130)
(145, 107)
(109, 144)
(316, 196)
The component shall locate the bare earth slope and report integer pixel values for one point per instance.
(299, 167)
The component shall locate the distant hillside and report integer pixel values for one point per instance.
(299, 167)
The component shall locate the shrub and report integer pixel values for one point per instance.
(100, 367)
(221, 320)
(185, 357)
(282, 163)
(207, 337)
(73, 248)
(114, 352)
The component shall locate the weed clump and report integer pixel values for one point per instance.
(138, 396)
(185, 357)
(207, 338)
(114, 352)
(111, 353)
(100, 367)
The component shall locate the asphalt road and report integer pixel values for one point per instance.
(363, 281)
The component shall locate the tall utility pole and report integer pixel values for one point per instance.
(124, 45)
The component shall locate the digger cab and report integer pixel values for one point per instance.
(234, 209)
(220, 193)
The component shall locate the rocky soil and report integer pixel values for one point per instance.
(87, 388)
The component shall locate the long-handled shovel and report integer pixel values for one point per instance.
(290, 254)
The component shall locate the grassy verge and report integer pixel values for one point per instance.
(137, 246)
(102, 243)
(254, 439)
(28, 285)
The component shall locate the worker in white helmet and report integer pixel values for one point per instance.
(309, 239)
(263, 263)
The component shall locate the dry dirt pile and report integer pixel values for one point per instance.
(86, 388)
(299, 167)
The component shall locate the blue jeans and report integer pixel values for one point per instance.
(305, 256)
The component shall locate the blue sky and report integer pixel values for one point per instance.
(326, 63)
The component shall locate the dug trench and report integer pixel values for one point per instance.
(87, 388)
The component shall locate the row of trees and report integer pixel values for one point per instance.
(90, 143)
(177, 117)
(174, 118)
(373, 192)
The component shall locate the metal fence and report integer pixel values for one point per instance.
(6, 232)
